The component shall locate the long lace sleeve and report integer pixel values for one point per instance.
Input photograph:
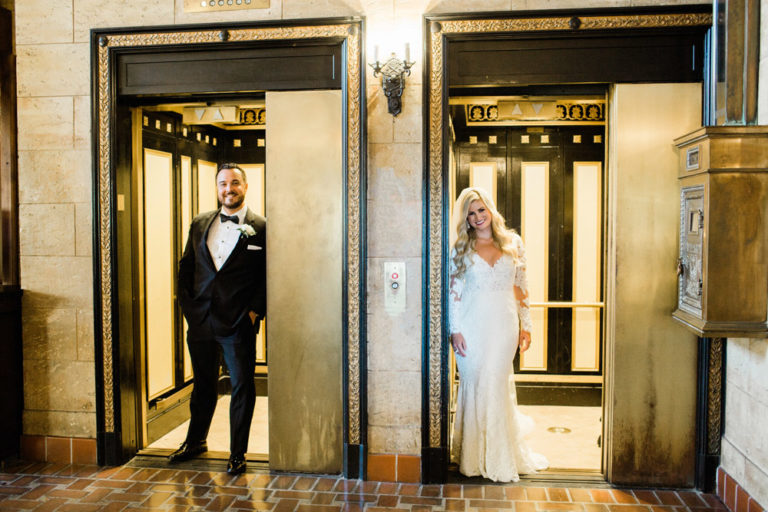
(521, 289)
(456, 287)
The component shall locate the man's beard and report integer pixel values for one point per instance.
(238, 200)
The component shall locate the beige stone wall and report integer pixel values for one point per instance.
(56, 199)
(55, 221)
(744, 445)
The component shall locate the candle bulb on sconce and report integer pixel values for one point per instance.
(393, 72)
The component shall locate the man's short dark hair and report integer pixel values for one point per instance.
(232, 166)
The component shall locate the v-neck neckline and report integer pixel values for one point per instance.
(490, 265)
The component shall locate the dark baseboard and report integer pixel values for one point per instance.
(354, 461)
(434, 464)
(110, 451)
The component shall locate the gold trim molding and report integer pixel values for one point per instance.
(351, 33)
(436, 37)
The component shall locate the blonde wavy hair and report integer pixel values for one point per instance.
(466, 237)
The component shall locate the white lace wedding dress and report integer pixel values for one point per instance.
(489, 431)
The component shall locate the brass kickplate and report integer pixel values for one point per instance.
(223, 5)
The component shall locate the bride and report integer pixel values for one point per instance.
(489, 319)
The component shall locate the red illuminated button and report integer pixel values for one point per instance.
(395, 275)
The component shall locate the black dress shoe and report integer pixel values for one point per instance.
(188, 450)
(236, 465)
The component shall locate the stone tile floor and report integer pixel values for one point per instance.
(48, 487)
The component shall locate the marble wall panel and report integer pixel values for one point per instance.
(85, 338)
(43, 21)
(572, 4)
(394, 229)
(59, 423)
(45, 123)
(83, 229)
(454, 6)
(746, 403)
(758, 371)
(733, 460)
(394, 340)
(53, 69)
(59, 385)
(737, 362)
(755, 481)
(394, 173)
(394, 398)
(49, 334)
(744, 454)
(57, 282)
(380, 122)
(392, 439)
(54, 176)
(408, 124)
(274, 12)
(737, 413)
(642, 3)
(82, 122)
(47, 229)
(90, 14)
(296, 9)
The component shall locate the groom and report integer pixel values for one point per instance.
(222, 292)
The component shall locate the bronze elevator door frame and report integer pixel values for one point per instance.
(519, 51)
(334, 46)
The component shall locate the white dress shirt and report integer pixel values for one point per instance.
(223, 236)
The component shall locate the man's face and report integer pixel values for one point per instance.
(231, 189)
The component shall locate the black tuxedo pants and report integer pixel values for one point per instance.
(239, 355)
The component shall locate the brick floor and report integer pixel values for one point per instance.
(57, 487)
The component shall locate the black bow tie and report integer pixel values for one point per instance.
(230, 218)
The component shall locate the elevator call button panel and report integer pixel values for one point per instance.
(394, 287)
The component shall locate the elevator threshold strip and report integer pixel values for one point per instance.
(210, 455)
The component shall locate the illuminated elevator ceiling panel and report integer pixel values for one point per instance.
(246, 114)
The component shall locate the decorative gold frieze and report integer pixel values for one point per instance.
(352, 35)
(568, 22)
(510, 111)
(253, 116)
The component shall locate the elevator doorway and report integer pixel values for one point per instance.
(541, 159)
(295, 178)
(178, 148)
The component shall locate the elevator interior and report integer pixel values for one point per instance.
(177, 148)
(542, 159)
(181, 146)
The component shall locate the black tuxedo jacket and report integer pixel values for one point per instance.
(219, 301)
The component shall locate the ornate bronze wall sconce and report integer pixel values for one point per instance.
(393, 72)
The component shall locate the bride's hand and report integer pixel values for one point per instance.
(459, 344)
(525, 340)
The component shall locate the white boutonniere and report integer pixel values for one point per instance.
(246, 230)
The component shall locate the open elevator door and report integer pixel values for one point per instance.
(305, 227)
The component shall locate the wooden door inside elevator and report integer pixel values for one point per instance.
(548, 185)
